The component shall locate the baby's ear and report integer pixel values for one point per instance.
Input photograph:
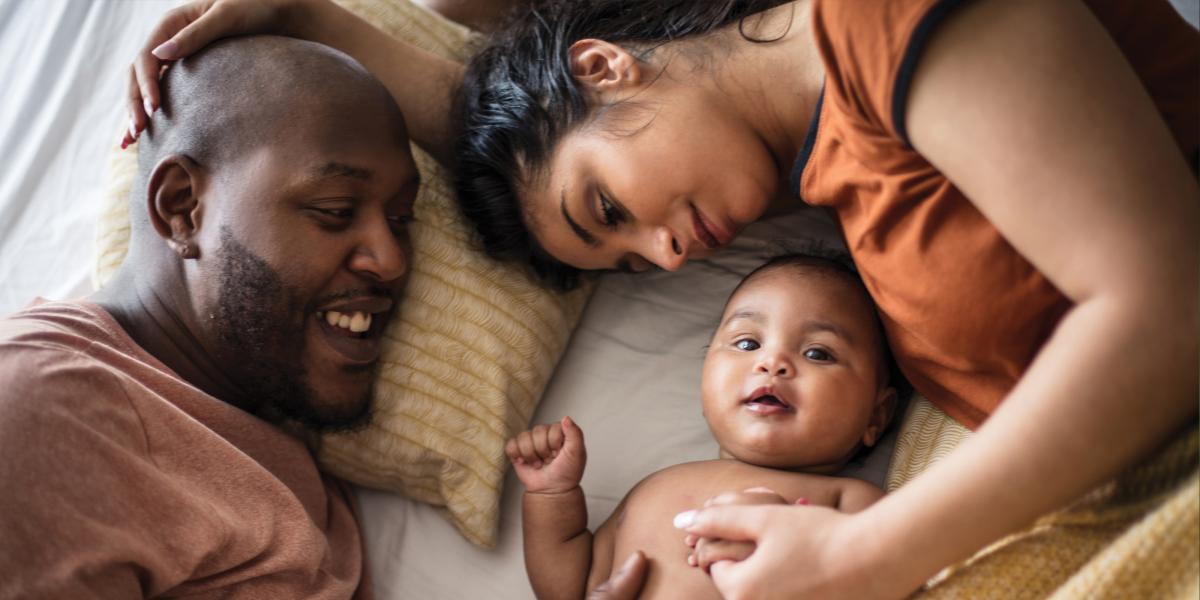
(885, 407)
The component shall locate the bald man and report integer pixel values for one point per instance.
(139, 429)
(142, 442)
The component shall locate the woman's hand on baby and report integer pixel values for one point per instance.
(549, 458)
(706, 551)
(799, 551)
(186, 29)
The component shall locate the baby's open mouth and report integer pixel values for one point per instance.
(767, 401)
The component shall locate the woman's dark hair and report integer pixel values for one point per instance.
(518, 99)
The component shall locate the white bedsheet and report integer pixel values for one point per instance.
(61, 94)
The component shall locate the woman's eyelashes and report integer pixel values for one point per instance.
(610, 215)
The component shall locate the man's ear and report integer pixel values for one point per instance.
(602, 66)
(174, 205)
(885, 407)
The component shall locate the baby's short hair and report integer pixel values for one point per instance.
(840, 264)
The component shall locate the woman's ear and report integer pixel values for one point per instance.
(601, 66)
(885, 406)
(175, 207)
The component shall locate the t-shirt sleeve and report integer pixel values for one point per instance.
(870, 49)
(73, 513)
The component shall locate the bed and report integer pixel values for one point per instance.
(629, 375)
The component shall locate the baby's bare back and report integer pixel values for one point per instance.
(644, 521)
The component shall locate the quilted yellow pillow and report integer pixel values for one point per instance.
(926, 436)
(469, 355)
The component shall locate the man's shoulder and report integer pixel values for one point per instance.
(63, 325)
(50, 371)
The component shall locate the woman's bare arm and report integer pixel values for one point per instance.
(1031, 110)
(421, 82)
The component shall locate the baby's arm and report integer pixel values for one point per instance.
(549, 460)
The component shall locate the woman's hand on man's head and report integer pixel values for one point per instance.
(186, 29)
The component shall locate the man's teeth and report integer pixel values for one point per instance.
(356, 321)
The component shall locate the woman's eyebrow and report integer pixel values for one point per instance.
(580, 232)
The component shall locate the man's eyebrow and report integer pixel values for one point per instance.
(582, 233)
(336, 169)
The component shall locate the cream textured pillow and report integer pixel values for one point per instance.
(926, 436)
(467, 359)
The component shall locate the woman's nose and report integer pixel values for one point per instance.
(666, 249)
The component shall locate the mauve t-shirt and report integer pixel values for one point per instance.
(122, 480)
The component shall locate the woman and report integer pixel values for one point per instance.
(1010, 178)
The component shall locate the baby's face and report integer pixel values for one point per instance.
(790, 379)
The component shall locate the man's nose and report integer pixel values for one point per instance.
(380, 254)
(665, 249)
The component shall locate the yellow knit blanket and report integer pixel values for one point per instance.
(1137, 536)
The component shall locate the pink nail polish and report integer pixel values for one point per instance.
(166, 50)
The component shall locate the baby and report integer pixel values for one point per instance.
(795, 383)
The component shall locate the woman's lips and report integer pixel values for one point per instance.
(707, 232)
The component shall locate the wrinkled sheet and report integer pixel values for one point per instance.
(62, 67)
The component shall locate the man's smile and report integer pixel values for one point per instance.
(354, 329)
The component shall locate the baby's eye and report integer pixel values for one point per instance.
(818, 355)
(746, 344)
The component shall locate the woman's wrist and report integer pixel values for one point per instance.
(872, 550)
(307, 19)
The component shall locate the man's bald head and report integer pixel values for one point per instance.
(244, 93)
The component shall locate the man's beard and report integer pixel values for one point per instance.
(257, 326)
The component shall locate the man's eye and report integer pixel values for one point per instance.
(609, 213)
(747, 345)
(818, 355)
(337, 213)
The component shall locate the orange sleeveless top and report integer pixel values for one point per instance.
(964, 313)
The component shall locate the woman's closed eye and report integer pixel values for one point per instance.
(609, 213)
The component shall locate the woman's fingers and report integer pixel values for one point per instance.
(201, 24)
(143, 96)
(134, 108)
(726, 522)
(708, 552)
